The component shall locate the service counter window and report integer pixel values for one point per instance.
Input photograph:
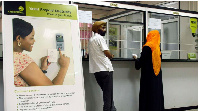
(128, 25)
(188, 38)
(124, 30)
(126, 34)
(177, 40)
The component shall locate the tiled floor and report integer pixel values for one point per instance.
(192, 110)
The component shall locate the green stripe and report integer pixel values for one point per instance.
(38, 9)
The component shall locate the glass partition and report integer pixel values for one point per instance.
(128, 38)
(188, 42)
(127, 30)
(124, 30)
(177, 41)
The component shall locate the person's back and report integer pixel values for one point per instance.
(97, 60)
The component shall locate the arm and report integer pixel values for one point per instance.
(64, 64)
(33, 75)
(145, 56)
(104, 48)
(137, 64)
(137, 61)
(108, 54)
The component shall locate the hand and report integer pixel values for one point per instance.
(63, 61)
(134, 56)
(113, 55)
(44, 64)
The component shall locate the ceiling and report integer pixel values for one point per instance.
(101, 11)
(152, 2)
(156, 3)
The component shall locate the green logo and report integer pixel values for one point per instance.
(21, 8)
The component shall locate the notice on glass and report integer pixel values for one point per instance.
(85, 16)
(154, 23)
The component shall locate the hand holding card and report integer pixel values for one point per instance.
(134, 56)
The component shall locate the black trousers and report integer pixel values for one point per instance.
(105, 81)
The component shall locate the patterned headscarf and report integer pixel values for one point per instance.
(153, 41)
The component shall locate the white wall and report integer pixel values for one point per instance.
(189, 5)
(180, 83)
(180, 86)
(1, 87)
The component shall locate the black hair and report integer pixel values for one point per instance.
(21, 27)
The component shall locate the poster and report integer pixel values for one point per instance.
(49, 21)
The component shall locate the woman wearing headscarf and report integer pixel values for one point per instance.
(151, 88)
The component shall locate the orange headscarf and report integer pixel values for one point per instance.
(153, 41)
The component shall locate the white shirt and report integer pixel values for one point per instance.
(97, 59)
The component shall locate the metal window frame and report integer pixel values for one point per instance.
(146, 9)
(167, 11)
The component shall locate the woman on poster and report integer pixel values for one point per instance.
(26, 71)
(151, 87)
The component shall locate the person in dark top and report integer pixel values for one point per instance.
(151, 96)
